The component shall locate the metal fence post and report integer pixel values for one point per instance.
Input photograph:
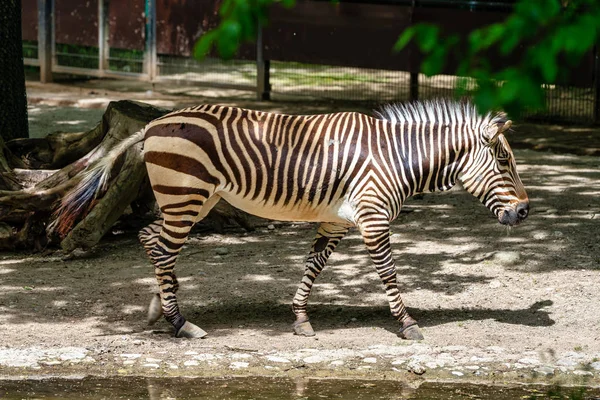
(150, 54)
(45, 35)
(103, 31)
(263, 73)
(414, 86)
(597, 84)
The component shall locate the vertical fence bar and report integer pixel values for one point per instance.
(263, 73)
(414, 86)
(45, 36)
(103, 31)
(597, 84)
(150, 54)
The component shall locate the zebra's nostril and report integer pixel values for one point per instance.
(523, 210)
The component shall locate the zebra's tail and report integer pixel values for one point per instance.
(78, 200)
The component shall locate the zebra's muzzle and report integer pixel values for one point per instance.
(513, 216)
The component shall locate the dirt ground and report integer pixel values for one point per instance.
(494, 304)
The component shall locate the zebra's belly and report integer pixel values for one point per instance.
(297, 212)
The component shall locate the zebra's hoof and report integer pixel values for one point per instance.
(189, 330)
(411, 333)
(154, 310)
(303, 329)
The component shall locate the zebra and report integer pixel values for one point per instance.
(342, 170)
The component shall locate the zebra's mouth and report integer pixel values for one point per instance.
(508, 217)
(513, 216)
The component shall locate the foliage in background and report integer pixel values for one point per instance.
(239, 23)
(548, 36)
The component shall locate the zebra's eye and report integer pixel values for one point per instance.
(503, 161)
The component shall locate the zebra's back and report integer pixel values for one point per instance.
(272, 165)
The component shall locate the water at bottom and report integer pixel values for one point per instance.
(275, 388)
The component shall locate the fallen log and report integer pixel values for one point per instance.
(36, 173)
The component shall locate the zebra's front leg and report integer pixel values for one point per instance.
(328, 237)
(375, 230)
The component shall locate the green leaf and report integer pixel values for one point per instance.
(228, 39)
(204, 44)
(427, 35)
(404, 38)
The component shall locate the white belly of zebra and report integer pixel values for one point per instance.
(304, 211)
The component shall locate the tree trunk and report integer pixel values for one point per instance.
(13, 99)
(60, 158)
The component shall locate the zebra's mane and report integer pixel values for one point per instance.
(440, 111)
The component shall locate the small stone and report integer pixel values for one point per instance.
(50, 363)
(238, 356)
(529, 361)
(595, 365)
(582, 373)
(191, 363)
(457, 373)
(131, 356)
(314, 359)
(152, 360)
(507, 257)
(151, 365)
(337, 363)
(271, 227)
(370, 360)
(221, 251)
(546, 371)
(566, 362)
(190, 353)
(277, 359)
(495, 284)
(128, 362)
(472, 367)
(238, 365)
(205, 357)
(415, 367)
(73, 355)
(540, 235)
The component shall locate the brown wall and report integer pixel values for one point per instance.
(317, 32)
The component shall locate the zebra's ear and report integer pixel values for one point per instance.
(495, 129)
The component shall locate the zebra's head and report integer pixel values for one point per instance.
(491, 174)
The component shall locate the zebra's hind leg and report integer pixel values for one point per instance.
(328, 237)
(375, 230)
(148, 237)
(163, 241)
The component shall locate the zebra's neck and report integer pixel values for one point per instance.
(429, 156)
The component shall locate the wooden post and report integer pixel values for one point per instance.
(45, 36)
(414, 86)
(263, 73)
(150, 55)
(103, 31)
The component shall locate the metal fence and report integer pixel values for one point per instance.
(144, 40)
